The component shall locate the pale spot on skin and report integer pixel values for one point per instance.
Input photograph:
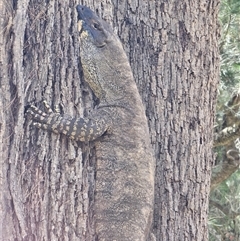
(79, 25)
(49, 121)
(73, 134)
(67, 128)
(55, 125)
(82, 139)
(84, 34)
(83, 133)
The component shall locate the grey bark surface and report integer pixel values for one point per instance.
(47, 183)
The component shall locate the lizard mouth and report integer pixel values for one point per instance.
(82, 17)
(81, 21)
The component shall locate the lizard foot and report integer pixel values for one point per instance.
(44, 120)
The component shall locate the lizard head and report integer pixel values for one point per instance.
(102, 56)
(92, 28)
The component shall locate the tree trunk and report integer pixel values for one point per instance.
(47, 181)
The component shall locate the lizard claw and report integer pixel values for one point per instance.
(47, 107)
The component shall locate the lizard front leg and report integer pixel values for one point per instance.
(79, 129)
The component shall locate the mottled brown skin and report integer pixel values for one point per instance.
(125, 164)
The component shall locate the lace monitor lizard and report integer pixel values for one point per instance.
(125, 164)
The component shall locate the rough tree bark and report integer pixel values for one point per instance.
(47, 182)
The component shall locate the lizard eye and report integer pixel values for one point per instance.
(97, 26)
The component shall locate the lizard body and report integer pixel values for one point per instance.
(125, 165)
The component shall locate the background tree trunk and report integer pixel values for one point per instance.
(47, 181)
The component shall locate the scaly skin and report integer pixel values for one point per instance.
(125, 165)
